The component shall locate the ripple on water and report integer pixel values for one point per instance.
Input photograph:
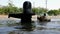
(52, 27)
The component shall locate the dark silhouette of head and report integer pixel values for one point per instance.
(27, 7)
(44, 14)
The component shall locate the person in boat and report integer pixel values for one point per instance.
(43, 18)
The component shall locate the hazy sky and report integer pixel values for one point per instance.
(51, 4)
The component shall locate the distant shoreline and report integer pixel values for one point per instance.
(34, 17)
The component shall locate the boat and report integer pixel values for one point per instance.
(43, 18)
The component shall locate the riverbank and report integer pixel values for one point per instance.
(33, 17)
(3, 16)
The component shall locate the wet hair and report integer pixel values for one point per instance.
(27, 8)
(26, 5)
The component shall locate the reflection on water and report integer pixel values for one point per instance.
(14, 27)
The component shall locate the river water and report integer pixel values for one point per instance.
(7, 26)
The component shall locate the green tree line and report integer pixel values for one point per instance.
(38, 11)
(7, 10)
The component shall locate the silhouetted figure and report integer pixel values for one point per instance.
(44, 14)
(26, 15)
(43, 18)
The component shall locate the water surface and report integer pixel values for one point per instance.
(7, 26)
